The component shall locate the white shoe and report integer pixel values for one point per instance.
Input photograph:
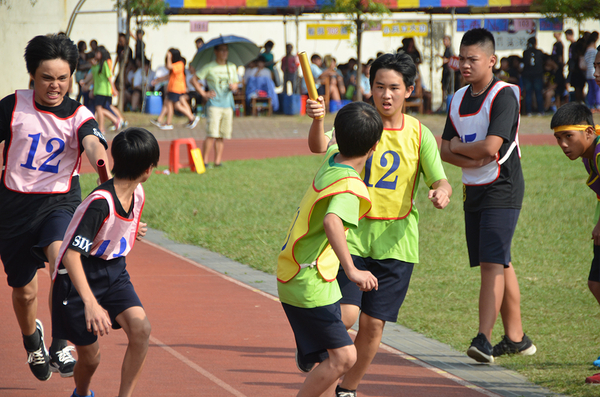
(194, 123)
(166, 127)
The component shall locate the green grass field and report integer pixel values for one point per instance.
(243, 210)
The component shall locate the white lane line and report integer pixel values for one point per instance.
(196, 367)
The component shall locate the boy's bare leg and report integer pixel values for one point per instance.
(219, 146)
(207, 147)
(100, 118)
(137, 327)
(51, 252)
(594, 287)
(491, 295)
(511, 306)
(367, 341)
(24, 301)
(322, 380)
(349, 314)
(184, 108)
(88, 359)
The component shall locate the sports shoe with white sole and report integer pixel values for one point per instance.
(507, 346)
(193, 124)
(39, 360)
(481, 349)
(63, 362)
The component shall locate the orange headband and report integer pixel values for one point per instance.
(579, 127)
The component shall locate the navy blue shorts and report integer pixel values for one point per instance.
(103, 101)
(23, 255)
(595, 269)
(316, 330)
(393, 278)
(173, 97)
(68, 310)
(489, 235)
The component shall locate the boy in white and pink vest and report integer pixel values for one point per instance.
(44, 134)
(92, 290)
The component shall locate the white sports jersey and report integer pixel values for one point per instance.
(474, 127)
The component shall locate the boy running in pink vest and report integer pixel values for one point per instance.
(92, 290)
(44, 132)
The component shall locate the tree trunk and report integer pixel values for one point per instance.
(359, 30)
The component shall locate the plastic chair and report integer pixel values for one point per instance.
(174, 164)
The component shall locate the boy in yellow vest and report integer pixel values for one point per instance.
(386, 242)
(316, 244)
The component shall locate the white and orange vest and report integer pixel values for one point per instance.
(474, 127)
(44, 151)
(391, 172)
(116, 236)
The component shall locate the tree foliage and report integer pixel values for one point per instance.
(580, 10)
(359, 12)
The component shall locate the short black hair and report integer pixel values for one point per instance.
(315, 56)
(401, 62)
(358, 127)
(572, 113)
(133, 150)
(568, 31)
(175, 55)
(479, 36)
(44, 48)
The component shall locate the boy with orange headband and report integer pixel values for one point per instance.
(575, 133)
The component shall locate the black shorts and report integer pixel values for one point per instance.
(489, 235)
(173, 97)
(393, 278)
(23, 255)
(103, 101)
(316, 330)
(595, 269)
(68, 310)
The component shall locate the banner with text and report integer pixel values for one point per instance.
(409, 29)
(327, 32)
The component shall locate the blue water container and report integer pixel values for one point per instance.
(153, 103)
(345, 102)
(291, 104)
(334, 106)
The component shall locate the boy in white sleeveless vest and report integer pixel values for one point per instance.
(577, 135)
(316, 244)
(92, 289)
(386, 242)
(44, 133)
(481, 137)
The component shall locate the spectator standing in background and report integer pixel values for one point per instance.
(199, 44)
(533, 76)
(83, 67)
(216, 82)
(593, 95)
(140, 47)
(289, 67)
(558, 50)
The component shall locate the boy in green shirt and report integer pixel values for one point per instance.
(315, 245)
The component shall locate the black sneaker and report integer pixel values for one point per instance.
(38, 360)
(62, 361)
(507, 346)
(339, 392)
(304, 367)
(481, 349)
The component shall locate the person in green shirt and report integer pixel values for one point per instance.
(316, 244)
(386, 241)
